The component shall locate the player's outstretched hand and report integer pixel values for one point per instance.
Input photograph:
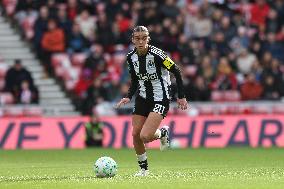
(182, 103)
(122, 102)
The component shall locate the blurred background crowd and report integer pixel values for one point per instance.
(227, 50)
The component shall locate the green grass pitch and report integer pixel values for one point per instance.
(182, 168)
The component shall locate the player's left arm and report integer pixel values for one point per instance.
(168, 64)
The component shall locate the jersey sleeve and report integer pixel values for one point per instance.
(134, 81)
(168, 64)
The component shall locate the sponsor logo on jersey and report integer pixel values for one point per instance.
(147, 76)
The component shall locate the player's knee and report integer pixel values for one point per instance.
(145, 137)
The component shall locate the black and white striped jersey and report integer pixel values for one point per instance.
(150, 75)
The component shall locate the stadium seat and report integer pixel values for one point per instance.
(32, 111)
(58, 58)
(3, 70)
(216, 96)
(229, 95)
(10, 6)
(278, 109)
(28, 25)
(260, 108)
(232, 95)
(59, 71)
(13, 111)
(78, 59)
(70, 84)
(71, 74)
(65, 70)
(2, 84)
(6, 98)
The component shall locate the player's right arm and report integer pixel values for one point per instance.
(133, 85)
(134, 81)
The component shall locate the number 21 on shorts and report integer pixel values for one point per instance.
(159, 108)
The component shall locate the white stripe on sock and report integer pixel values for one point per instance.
(142, 157)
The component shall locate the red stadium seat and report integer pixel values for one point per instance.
(278, 109)
(59, 71)
(232, 95)
(10, 6)
(260, 108)
(72, 73)
(27, 25)
(2, 84)
(6, 98)
(216, 96)
(229, 95)
(13, 111)
(70, 84)
(66, 75)
(78, 59)
(58, 58)
(71, 77)
(32, 111)
(3, 70)
(64, 69)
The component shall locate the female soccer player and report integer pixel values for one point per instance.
(149, 69)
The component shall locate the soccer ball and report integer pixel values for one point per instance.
(105, 167)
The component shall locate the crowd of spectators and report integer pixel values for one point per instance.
(220, 45)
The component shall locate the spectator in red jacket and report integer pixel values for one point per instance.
(259, 11)
(53, 40)
(251, 89)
